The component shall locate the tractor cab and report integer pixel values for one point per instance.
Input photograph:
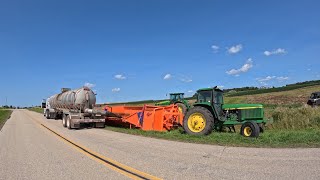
(176, 97)
(212, 97)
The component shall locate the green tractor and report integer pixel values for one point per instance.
(210, 112)
(177, 99)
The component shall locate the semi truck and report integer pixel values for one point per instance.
(74, 107)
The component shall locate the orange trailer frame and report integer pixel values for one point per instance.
(148, 118)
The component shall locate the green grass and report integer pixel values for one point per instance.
(294, 126)
(270, 138)
(36, 109)
(4, 115)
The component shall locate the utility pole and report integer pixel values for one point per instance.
(6, 101)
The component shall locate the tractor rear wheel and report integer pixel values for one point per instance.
(198, 121)
(182, 108)
(250, 129)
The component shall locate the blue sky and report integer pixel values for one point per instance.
(142, 49)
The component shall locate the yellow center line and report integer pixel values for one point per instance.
(110, 163)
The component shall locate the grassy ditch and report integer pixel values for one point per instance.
(270, 138)
(4, 115)
(292, 127)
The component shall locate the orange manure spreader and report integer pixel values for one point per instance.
(147, 118)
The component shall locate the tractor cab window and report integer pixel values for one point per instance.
(205, 96)
(218, 98)
(176, 97)
(172, 96)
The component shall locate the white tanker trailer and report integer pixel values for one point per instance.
(74, 107)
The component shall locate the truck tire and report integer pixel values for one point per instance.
(69, 122)
(64, 120)
(182, 108)
(198, 121)
(47, 114)
(250, 129)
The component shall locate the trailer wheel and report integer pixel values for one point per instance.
(182, 108)
(69, 122)
(250, 129)
(64, 120)
(198, 121)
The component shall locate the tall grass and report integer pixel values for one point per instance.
(286, 118)
(4, 115)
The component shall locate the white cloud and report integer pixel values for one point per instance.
(89, 85)
(248, 65)
(235, 49)
(186, 80)
(215, 48)
(115, 90)
(190, 91)
(268, 78)
(275, 52)
(120, 77)
(220, 87)
(281, 78)
(264, 81)
(167, 77)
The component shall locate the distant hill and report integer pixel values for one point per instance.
(255, 90)
(296, 93)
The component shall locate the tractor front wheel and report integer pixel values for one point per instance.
(198, 121)
(250, 129)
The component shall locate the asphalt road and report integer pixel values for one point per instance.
(29, 151)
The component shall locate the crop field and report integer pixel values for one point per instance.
(4, 115)
(292, 97)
